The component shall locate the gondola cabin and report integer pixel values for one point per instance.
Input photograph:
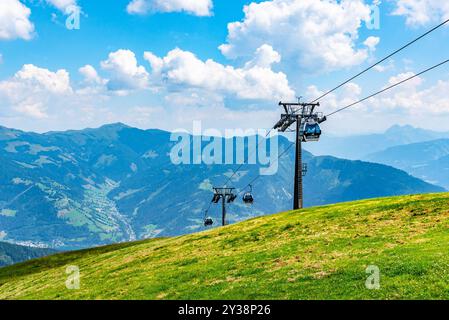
(208, 222)
(232, 198)
(311, 131)
(248, 198)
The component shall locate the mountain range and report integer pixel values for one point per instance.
(426, 160)
(357, 147)
(78, 189)
(11, 253)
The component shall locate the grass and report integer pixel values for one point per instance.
(317, 253)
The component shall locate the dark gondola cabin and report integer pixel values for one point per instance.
(311, 131)
(232, 198)
(208, 222)
(248, 198)
(216, 198)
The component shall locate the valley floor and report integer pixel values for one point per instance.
(317, 253)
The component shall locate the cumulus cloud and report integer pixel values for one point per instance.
(92, 84)
(409, 99)
(194, 7)
(312, 33)
(42, 79)
(163, 117)
(349, 93)
(90, 75)
(31, 88)
(36, 98)
(422, 12)
(14, 21)
(372, 42)
(180, 69)
(265, 56)
(390, 65)
(416, 103)
(403, 76)
(126, 74)
(412, 98)
(62, 4)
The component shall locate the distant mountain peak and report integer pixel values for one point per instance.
(401, 128)
(116, 125)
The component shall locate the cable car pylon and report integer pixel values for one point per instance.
(307, 129)
(226, 195)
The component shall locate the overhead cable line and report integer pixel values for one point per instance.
(258, 176)
(383, 60)
(388, 88)
(249, 155)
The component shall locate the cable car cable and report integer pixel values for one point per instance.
(380, 61)
(249, 155)
(258, 176)
(388, 88)
(207, 210)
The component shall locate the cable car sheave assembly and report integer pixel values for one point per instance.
(308, 129)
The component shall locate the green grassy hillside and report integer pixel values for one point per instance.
(311, 254)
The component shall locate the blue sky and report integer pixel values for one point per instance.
(176, 61)
(107, 27)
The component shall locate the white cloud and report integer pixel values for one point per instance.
(31, 88)
(194, 7)
(348, 94)
(265, 56)
(42, 79)
(181, 70)
(62, 4)
(313, 34)
(422, 12)
(412, 98)
(92, 84)
(403, 76)
(32, 109)
(372, 42)
(39, 99)
(173, 117)
(14, 21)
(410, 103)
(90, 75)
(390, 65)
(125, 72)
